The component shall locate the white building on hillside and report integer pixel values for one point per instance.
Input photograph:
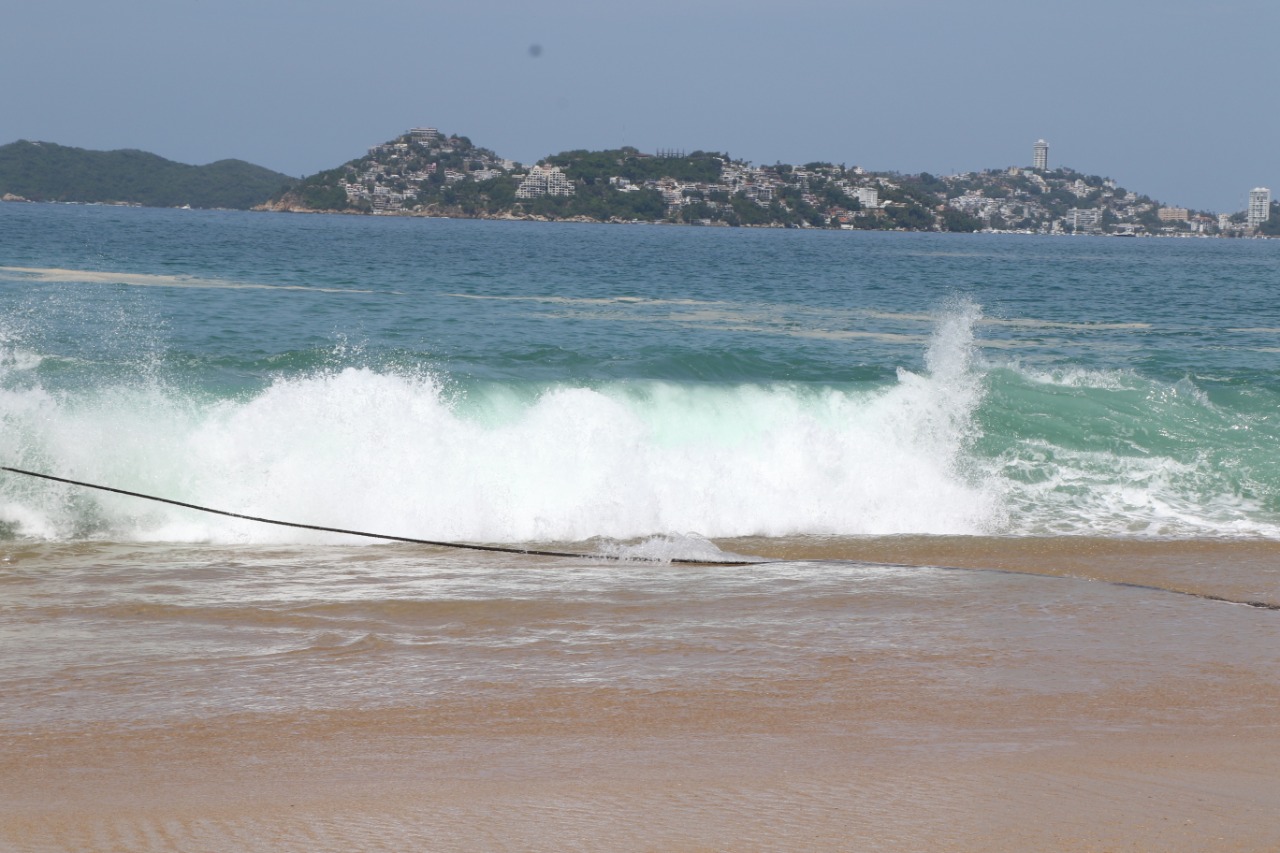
(1040, 155)
(868, 197)
(1259, 207)
(544, 181)
(1085, 219)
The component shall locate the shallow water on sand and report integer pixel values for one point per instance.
(516, 703)
(155, 633)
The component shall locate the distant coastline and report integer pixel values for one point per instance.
(46, 171)
(424, 172)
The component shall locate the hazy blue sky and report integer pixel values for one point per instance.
(1173, 98)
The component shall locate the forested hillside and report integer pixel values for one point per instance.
(44, 171)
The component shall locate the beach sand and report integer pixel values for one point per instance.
(961, 712)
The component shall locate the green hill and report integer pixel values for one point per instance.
(423, 172)
(43, 171)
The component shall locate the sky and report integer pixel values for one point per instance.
(1174, 99)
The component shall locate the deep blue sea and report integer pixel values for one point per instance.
(528, 382)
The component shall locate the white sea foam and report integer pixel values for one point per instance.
(661, 462)
(17, 358)
(549, 299)
(1078, 377)
(359, 449)
(55, 274)
(1052, 490)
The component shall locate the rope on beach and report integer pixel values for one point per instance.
(534, 552)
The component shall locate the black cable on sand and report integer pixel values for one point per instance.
(386, 536)
(535, 552)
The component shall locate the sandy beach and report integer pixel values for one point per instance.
(394, 785)
(804, 706)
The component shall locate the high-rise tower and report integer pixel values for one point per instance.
(1259, 206)
(1040, 155)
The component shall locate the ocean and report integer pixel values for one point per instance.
(982, 487)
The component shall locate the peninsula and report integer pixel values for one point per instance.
(424, 172)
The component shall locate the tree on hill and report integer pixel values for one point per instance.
(1272, 226)
(931, 184)
(911, 217)
(322, 191)
(955, 220)
(592, 166)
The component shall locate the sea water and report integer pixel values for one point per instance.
(532, 382)
(866, 412)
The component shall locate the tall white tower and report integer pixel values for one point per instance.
(1040, 155)
(1259, 206)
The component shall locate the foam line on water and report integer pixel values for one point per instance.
(53, 274)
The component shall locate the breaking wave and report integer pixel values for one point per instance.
(964, 446)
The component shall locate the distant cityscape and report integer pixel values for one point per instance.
(427, 172)
(1256, 214)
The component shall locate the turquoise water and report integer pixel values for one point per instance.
(529, 382)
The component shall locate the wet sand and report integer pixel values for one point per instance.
(801, 710)
(393, 790)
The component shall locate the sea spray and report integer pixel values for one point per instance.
(397, 453)
(967, 443)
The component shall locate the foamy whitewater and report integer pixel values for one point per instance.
(509, 382)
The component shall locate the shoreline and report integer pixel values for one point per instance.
(586, 220)
(807, 706)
